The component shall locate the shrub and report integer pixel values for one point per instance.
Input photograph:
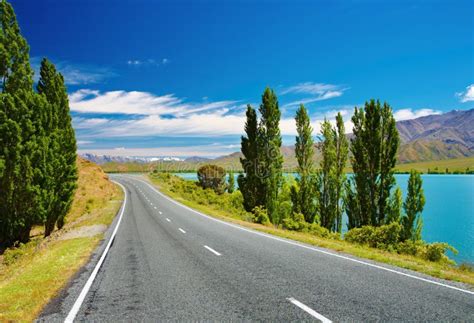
(377, 237)
(436, 251)
(410, 247)
(261, 215)
(295, 222)
(213, 177)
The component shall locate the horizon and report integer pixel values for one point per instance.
(158, 84)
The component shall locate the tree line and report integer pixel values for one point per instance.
(323, 194)
(38, 171)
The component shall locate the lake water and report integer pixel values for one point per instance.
(448, 215)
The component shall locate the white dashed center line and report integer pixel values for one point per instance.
(182, 230)
(212, 250)
(168, 220)
(309, 310)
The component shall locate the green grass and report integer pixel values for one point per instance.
(457, 164)
(32, 274)
(225, 211)
(453, 165)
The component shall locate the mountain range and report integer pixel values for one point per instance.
(429, 138)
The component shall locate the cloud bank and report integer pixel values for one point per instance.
(467, 95)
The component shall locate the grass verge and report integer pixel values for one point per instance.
(224, 210)
(32, 274)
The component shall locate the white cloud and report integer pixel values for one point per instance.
(141, 103)
(319, 92)
(147, 62)
(76, 74)
(467, 95)
(311, 88)
(145, 114)
(406, 114)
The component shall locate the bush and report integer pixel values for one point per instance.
(436, 251)
(260, 215)
(383, 237)
(387, 237)
(295, 223)
(213, 177)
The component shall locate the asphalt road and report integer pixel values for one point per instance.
(168, 262)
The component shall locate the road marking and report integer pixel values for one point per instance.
(309, 310)
(160, 212)
(182, 230)
(308, 247)
(155, 207)
(212, 250)
(77, 304)
(168, 220)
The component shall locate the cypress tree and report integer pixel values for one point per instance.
(231, 183)
(342, 149)
(303, 197)
(19, 194)
(269, 144)
(374, 148)
(395, 207)
(413, 206)
(61, 170)
(249, 181)
(325, 178)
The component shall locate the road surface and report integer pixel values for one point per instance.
(168, 262)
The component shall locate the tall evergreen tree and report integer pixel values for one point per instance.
(342, 149)
(374, 148)
(269, 144)
(231, 183)
(250, 182)
(413, 206)
(395, 207)
(303, 197)
(61, 170)
(325, 178)
(18, 142)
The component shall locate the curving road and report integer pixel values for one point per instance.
(168, 262)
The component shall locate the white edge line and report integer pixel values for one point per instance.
(182, 230)
(309, 310)
(213, 251)
(80, 299)
(308, 247)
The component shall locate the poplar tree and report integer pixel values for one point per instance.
(342, 150)
(18, 144)
(413, 206)
(374, 148)
(325, 178)
(269, 144)
(303, 196)
(249, 181)
(61, 170)
(231, 183)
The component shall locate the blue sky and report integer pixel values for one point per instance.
(173, 77)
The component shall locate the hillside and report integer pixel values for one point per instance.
(32, 274)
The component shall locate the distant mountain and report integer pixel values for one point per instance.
(102, 159)
(197, 159)
(433, 137)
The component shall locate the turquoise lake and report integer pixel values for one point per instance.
(449, 211)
